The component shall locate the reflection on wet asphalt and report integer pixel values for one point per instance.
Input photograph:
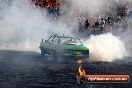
(28, 70)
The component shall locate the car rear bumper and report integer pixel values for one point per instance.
(76, 56)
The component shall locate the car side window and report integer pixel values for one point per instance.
(51, 40)
(57, 41)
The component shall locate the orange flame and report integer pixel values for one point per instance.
(81, 71)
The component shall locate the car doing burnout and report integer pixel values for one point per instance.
(64, 46)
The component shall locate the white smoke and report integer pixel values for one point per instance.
(91, 8)
(105, 47)
(22, 28)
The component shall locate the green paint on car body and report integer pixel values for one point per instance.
(66, 46)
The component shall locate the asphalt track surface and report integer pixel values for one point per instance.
(28, 70)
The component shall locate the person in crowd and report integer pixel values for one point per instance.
(109, 24)
(106, 20)
(118, 18)
(57, 9)
(80, 24)
(51, 7)
(96, 27)
(102, 25)
(109, 21)
(86, 24)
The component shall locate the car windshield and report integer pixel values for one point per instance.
(74, 41)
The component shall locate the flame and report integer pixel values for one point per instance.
(81, 71)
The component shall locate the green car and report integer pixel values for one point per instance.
(64, 47)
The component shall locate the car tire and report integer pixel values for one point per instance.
(57, 58)
(53, 57)
(43, 53)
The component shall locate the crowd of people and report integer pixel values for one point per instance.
(94, 26)
(109, 23)
(105, 24)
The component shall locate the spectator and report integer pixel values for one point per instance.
(80, 23)
(106, 20)
(109, 24)
(57, 9)
(109, 21)
(102, 25)
(86, 24)
(96, 27)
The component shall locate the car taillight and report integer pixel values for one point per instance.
(76, 52)
(85, 51)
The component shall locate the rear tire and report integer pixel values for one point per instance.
(43, 54)
(53, 57)
(57, 58)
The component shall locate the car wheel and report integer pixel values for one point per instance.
(43, 53)
(57, 58)
(53, 56)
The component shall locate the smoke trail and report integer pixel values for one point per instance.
(105, 47)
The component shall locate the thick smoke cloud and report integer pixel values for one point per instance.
(106, 47)
(22, 28)
(90, 7)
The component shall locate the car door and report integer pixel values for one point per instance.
(50, 45)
